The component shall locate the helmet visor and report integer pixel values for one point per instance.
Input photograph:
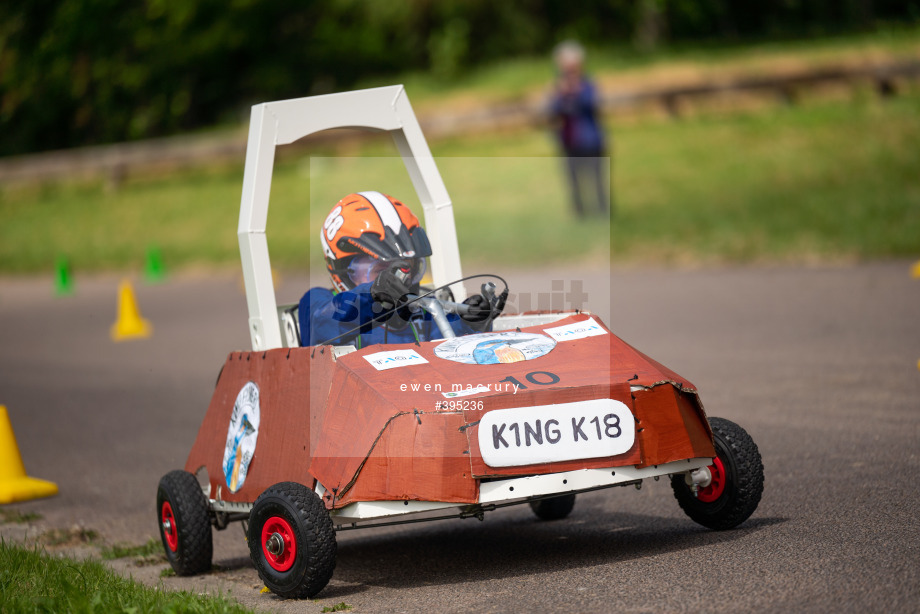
(365, 269)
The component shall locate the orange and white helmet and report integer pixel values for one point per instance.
(367, 231)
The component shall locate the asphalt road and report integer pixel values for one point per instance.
(820, 365)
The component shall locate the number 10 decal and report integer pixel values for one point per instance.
(540, 378)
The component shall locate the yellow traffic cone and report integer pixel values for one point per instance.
(130, 324)
(15, 485)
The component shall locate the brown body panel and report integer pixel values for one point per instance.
(383, 435)
(285, 378)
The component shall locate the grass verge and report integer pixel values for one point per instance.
(623, 67)
(14, 516)
(149, 553)
(34, 581)
(829, 180)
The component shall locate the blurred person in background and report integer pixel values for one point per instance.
(575, 114)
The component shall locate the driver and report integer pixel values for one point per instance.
(375, 253)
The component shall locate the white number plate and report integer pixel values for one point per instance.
(552, 433)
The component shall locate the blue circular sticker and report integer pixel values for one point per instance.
(495, 348)
(241, 436)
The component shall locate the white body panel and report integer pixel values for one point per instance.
(496, 492)
(523, 320)
(516, 489)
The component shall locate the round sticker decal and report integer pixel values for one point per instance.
(494, 348)
(241, 436)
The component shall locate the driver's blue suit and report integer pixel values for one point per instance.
(327, 318)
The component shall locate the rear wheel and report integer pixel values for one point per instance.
(737, 480)
(553, 508)
(292, 540)
(185, 529)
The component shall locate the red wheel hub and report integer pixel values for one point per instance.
(278, 543)
(717, 485)
(168, 525)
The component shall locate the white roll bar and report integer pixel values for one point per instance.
(285, 121)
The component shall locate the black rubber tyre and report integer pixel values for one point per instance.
(735, 494)
(185, 528)
(554, 508)
(303, 558)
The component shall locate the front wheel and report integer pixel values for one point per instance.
(185, 529)
(737, 480)
(292, 541)
(553, 508)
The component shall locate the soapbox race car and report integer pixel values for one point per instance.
(301, 442)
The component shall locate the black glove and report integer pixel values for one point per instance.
(479, 309)
(390, 289)
(480, 313)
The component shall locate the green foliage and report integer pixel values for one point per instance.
(448, 49)
(33, 581)
(339, 607)
(76, 72)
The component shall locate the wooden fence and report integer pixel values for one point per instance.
(115, 162)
